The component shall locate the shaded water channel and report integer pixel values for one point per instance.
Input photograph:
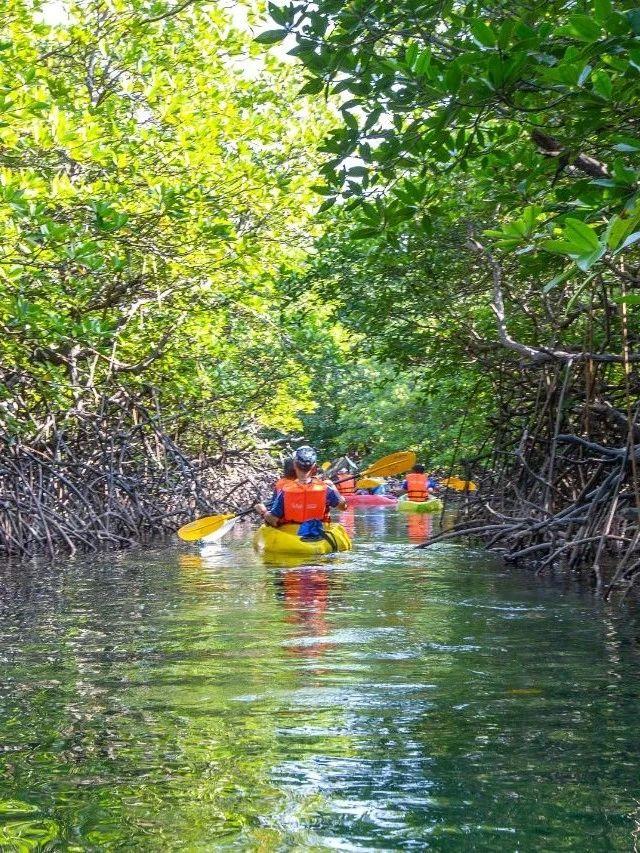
(387, 699)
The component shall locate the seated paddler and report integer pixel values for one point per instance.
(416, 484)
(305, 501)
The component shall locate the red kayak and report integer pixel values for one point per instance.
(370, 500)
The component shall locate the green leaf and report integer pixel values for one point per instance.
(628, 299)
(281, 15)
(602, 10)
(411, 53)
(602, 84)
(423, 62)
(559, 247)
(312, 87)
(321, 190)
(505, 33)
(584, 74)
(631, 239)
(585, 262)
(270, 36)
(364, 233)
(327, 204)
(627, 144)
(558, 279)
(583, 28)
(372, 118)
(453, 77)
(633, 16)
(350, 120)
(482, 33)
(582, 236)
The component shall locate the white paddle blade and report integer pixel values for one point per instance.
(217, 535)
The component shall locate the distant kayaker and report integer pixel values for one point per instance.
(416, 484)
(345, 482)
(379, 489)
(306, 500)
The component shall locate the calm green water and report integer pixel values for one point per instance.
(389, 699)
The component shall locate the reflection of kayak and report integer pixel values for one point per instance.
(432, 505)
(370, 500)
(285, 540)
(419, 526)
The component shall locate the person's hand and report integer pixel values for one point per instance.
(261, 509)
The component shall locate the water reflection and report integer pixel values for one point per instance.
(386, 698)
(305, 595)
(367, 523)
(347, 519)
(419, 527)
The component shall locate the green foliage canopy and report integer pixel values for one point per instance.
(154, 178)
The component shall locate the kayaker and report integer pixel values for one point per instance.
(345, 482)
(288, 474)
(416, 484)
(305, 501)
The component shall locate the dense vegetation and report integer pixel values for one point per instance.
(488, 230)
(467, 286)
(154, 177)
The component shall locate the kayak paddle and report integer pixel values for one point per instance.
(394, 463)
(459, 485)
(202, 527)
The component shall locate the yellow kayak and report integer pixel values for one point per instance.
(432, 505)
(285, 540)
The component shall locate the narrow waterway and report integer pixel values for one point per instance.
(386, 699)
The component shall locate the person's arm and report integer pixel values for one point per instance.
(334, 498)
(273, 516)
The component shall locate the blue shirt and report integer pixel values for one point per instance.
(277, 507)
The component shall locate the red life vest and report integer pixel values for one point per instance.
(417, 487)
(345, 485)
(304, 501)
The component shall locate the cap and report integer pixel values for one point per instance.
(305, 457)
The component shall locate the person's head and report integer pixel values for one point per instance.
(418, 469)
(289, 469)
(304, 460)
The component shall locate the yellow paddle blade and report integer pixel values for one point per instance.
(458, 485)
(395, 463)
(369, 482)
(203, 527)
(325, 466)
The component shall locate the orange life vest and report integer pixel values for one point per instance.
(417, 487)
(280, 484)
(345, 485)
(304, 501)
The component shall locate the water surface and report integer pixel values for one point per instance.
(387, 699)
